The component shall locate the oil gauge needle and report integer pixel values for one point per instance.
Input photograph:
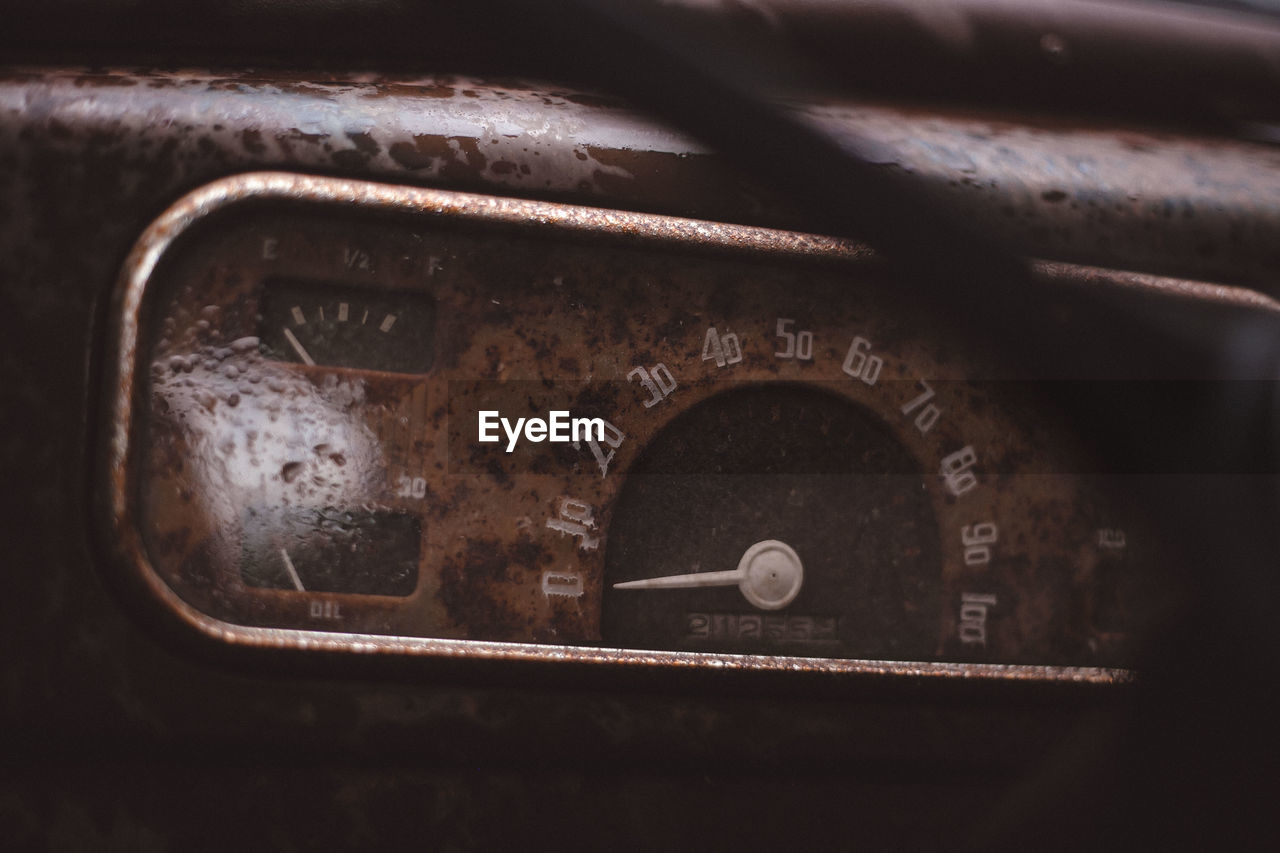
(769, 576)
(299, 348)
(293, 573)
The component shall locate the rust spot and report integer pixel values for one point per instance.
(645, 175)
(350, 158)
(252, 142)
(587, 100)
(459, 156)
(411, 156)
(410, 90)
(364, 143)
(105, 80)
(469, 581)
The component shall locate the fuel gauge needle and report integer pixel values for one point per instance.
(769, 575)
(299, 348)
(293, 573)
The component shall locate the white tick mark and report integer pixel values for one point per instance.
(298, 347)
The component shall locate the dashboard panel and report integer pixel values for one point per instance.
(976, 665)
(311, 371)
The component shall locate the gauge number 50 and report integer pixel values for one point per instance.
(799, 345)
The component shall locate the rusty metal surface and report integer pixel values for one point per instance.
(1174, 61)
(1187, 206)
(462, 635)
(87, 160)
(532, 139)
(1091, 193)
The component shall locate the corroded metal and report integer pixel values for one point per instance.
(123, 460)
(1093, 193)
(91, 698)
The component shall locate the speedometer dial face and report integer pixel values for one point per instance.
(411, 417)
(786, 463)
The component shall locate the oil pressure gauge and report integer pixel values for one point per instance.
(377, 419)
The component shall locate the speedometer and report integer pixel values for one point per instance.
(365, 418)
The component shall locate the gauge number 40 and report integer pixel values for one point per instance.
(722, 349)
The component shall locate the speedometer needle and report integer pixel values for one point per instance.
(298, 348)
(689, 581)
(769, 576)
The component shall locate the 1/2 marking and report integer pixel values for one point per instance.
(357, 259)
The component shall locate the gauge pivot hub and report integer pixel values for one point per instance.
(771, 574)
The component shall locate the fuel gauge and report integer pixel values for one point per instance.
(345, 326)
